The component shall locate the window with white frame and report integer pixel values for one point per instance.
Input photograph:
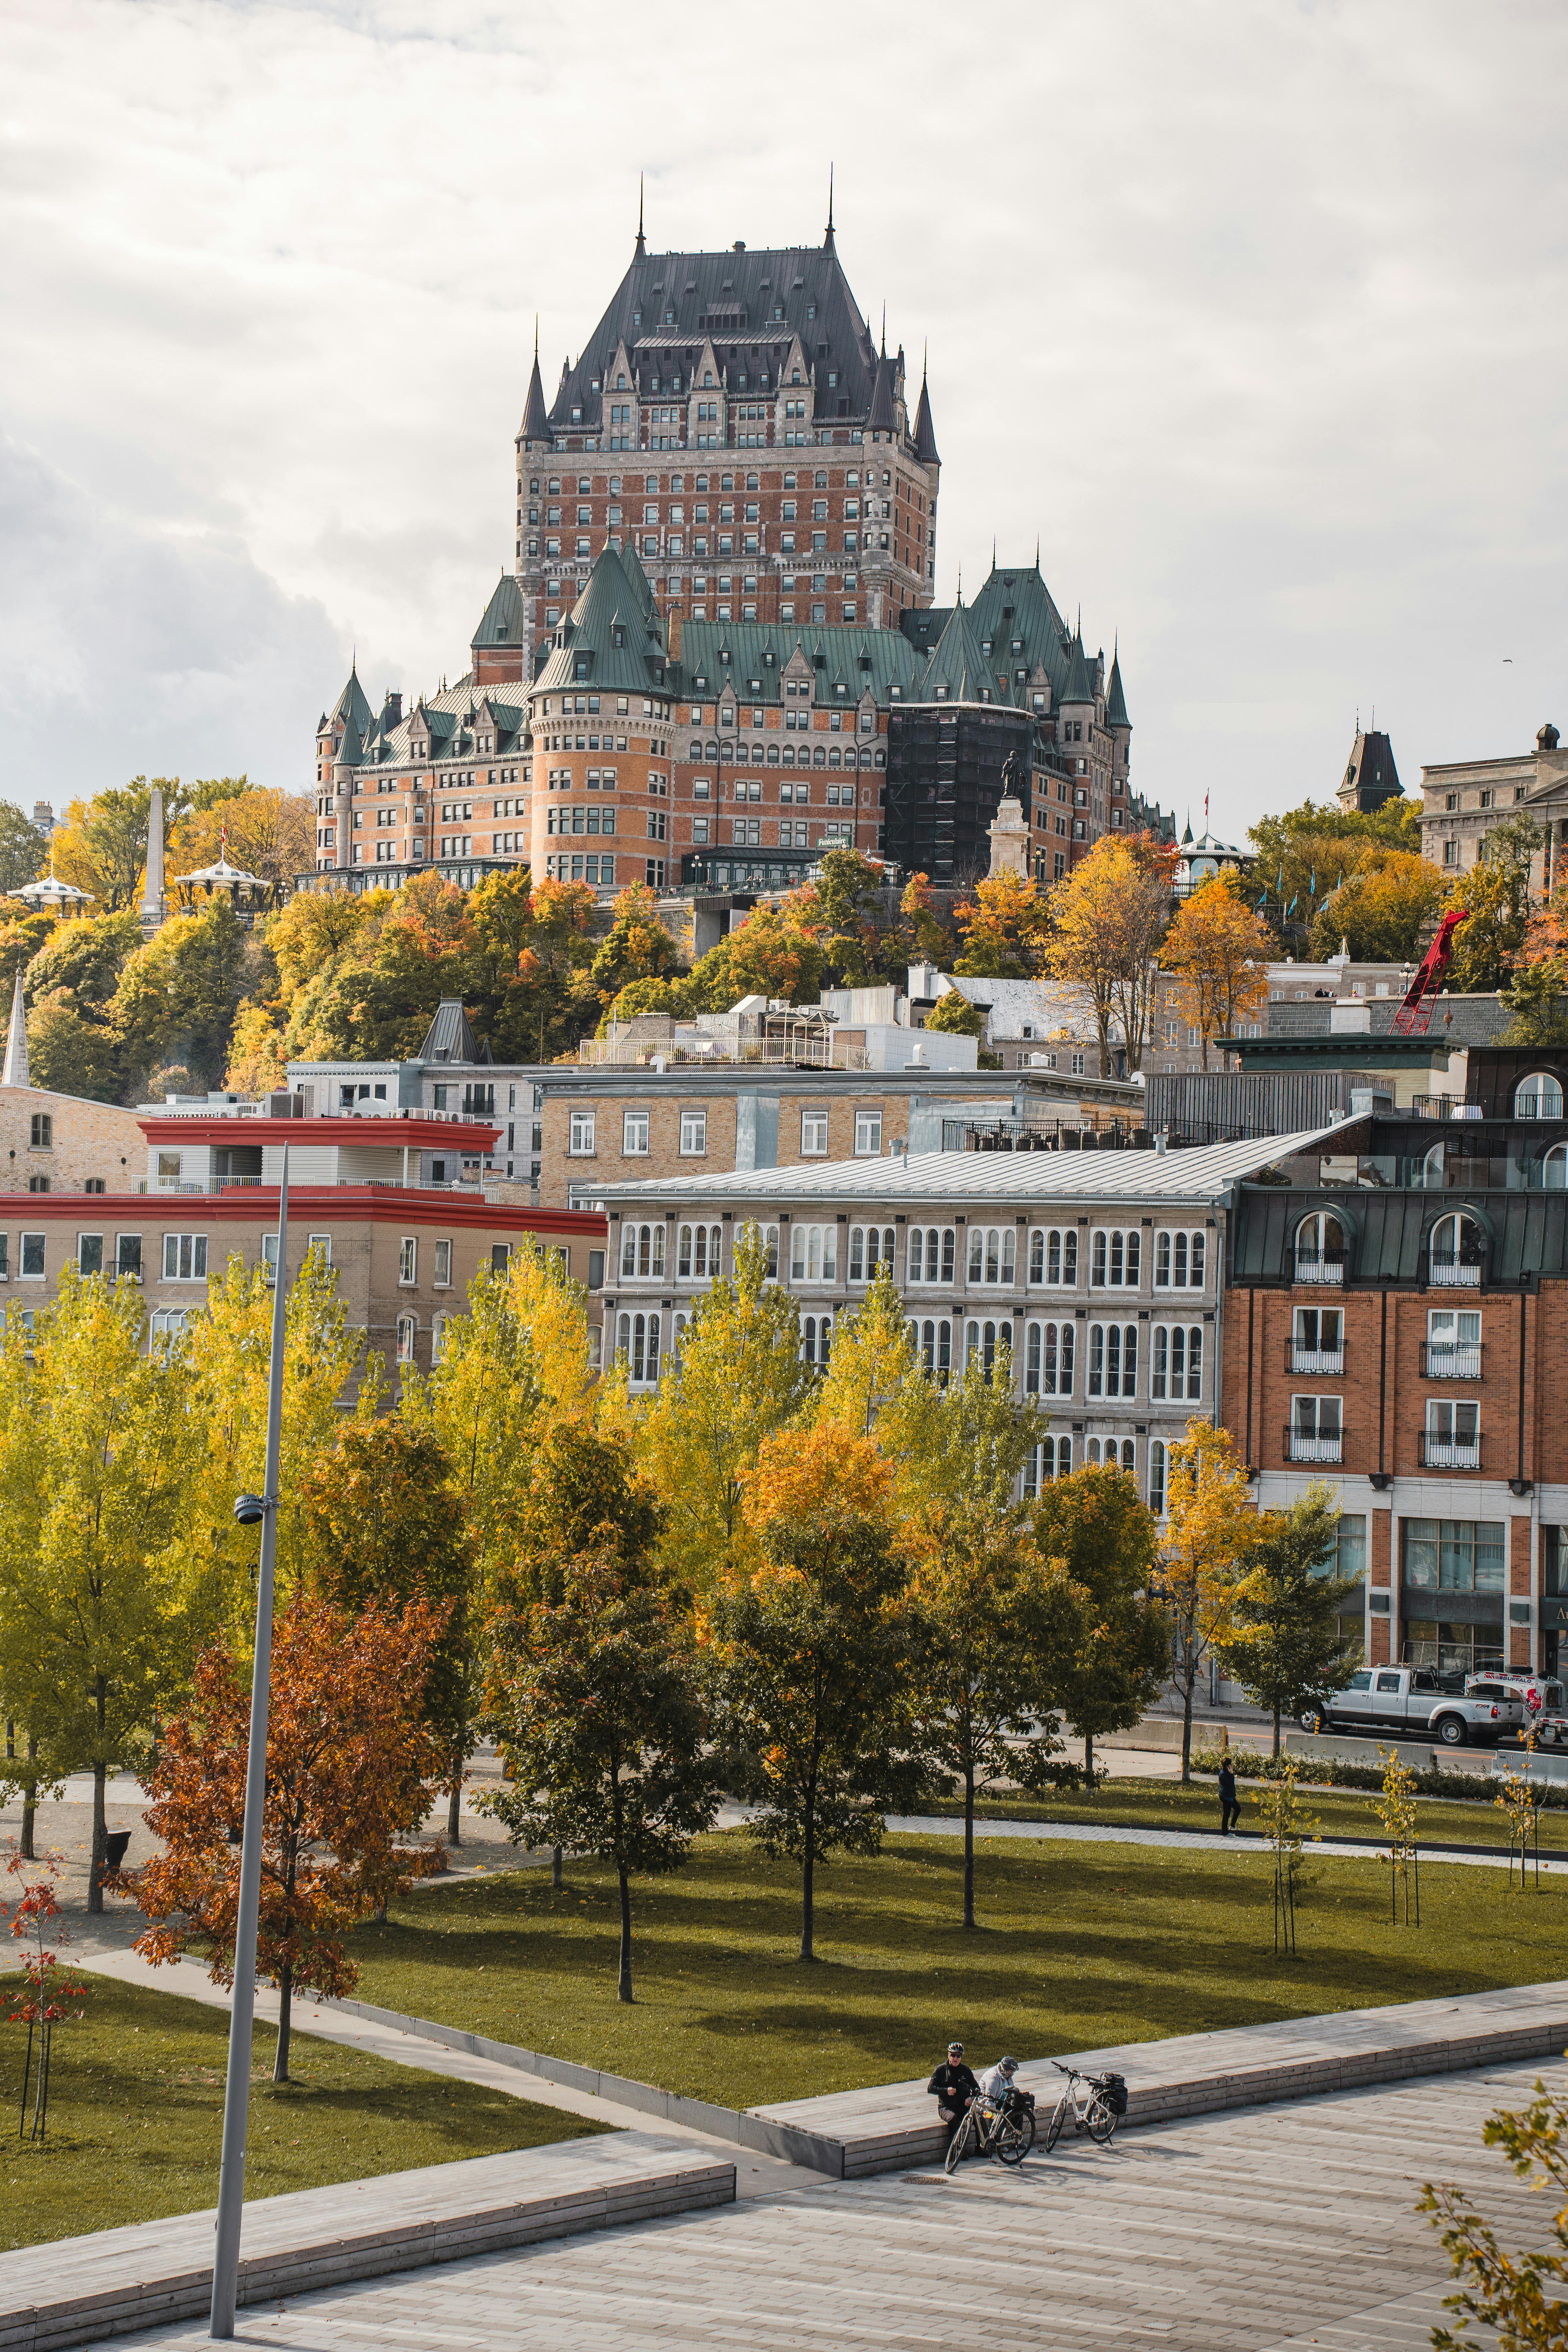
(90, 1254)
(1316, 1433)
(408, 1259)
(868, 1134)
(1454, 1343)
(322, 1245)
(438, 1325)
(1453, 1433)
(32, 1256)
(637, 1340)
(1048, 1351)
(1115, 1256)
(993, 1254)
(406, 1327)
(642, 1251)
(870, 1247)
(990, 1345)
(1110, 1454)
(184, 1257)
(127, 1256)
(769, 1237)
(1456, 1250)
(1051, 1459)
(270, 1257)
(816, 1340)
(1112, 1360)
(813, 1252)
(928, 1254)
(1053, 1256)
(693, 1134)
(1179, 1261)
(698, 1252)
(813, 1134)
(634, 1134)
(1176, 1362)
(443, 1276)
(932, 1337)
(1159, 1467)
(580, 1135)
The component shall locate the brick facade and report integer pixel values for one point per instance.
(61, 1143)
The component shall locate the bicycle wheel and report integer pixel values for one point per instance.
(1054, 2128)
(1100, 2120)
(958, 2145)
(1017, 2137)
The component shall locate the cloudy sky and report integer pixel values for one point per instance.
(1254, 313)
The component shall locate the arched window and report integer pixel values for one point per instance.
(642, 1251)
(1538, 1097)
(1048, 1358)
(991, 1346)
(1157, 1476)
(870, 1247)
(1456, 1252)
(1112, 1360)
(993, 1253)
(1554, 1169)
(1053, 1256)
(406, 1330)
(1320, 1248)
(1432, 1170)
(816, 1340)
(698, 1252)
(932, 1338)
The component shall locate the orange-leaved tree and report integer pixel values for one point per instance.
(1002, 928)
(351, 1769)
(1218, 950)
(1108, 917)
(1206, 1569)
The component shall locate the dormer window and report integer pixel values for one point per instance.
(620, 383)
(708, 378)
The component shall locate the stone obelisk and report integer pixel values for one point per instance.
(15, 1073)
(152, 895)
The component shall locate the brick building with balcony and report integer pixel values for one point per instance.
(1399, 1326)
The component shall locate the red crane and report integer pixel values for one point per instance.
(1414, 1017)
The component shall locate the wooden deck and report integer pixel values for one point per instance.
(85, 2290)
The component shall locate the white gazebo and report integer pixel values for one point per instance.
(50, 896)
(248, 889)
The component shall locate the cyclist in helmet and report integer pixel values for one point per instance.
(997, 2081)
(953, 2086)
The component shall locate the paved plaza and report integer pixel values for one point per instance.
(1265, 2230)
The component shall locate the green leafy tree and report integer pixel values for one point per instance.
(848, 887)
(1204, 1573)
(1289, 1650)
(595, 1687)
(179, 994)
(21, 937)
(381, 1527)
(971, 1438)
(954, 1016)
(1496, 893)
(1538, 1000)
(71, 1054)
(814, 1657)
(1380, 909)
(740, 1378)
(1107, 1539)
(639, 946)
(1305, 854)
(991, 1620)
(23, 847)
(92, 1457)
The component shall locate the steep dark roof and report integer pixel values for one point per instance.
(614, 628)
(449, 1038)
(535, 415)
(504, 619)
(1370, 776)
(351, 750)
(1079, 686)
(1115, 700)
(1017, 605)
(881, 418)
(352, 705)
(760, 651)
(958, 671)
(730, 299)
(925, 436)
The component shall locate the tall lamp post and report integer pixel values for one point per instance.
(248, 1510)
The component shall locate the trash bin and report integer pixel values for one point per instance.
(116, 1843)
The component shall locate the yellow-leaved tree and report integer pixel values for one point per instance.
(1206, 1571)
(1218, 950)
(1108, 917)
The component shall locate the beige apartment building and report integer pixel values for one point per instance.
(62, 1143)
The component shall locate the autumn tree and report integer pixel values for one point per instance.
(1108, 916)
(848, 887)
(639, 946)
(930, 938)
(93, 1616)
(991, 1620)
(1097, 1525)
(1218, 950)
(596, 1687)
(179, 992)
(269, 833)
(101, 847)
(814, 1660)
(967, 1441)
(1205, 1574)
(1522, 2296)
(874, 1383)
(382, 1527)
(1495, 894)
(740, 1378)
(1002, 928)
(23, 847)
(351, 1767)
(1380, 909)
(1291, 1650)
(74, 1043)
(1304, 854)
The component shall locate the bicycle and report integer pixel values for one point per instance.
(1095, 2109)
(1004, 2129)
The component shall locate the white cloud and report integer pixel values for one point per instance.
(1253, 314)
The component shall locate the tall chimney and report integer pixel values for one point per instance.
(152, 895)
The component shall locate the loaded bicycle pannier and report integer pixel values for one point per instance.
(1113, 2091)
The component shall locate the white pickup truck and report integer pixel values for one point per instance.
(1410, 1704)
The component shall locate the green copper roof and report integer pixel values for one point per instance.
(1078, 686)
(502, 622)
(1015, 612)
(352, 705)
(958, 671)
(751, 657)
(612, 639)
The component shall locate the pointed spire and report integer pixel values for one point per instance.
(15, 1073)
(925, 435)
(884, 328)
(535, 415)
(639, 251)
(1037, 550)
(1115, 700)
(827, 240)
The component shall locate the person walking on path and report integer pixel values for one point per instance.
(1229, 1810)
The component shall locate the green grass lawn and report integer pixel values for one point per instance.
(1342, 1812)
(136, 2116)
(1079, 1945)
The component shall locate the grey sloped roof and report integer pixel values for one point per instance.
(503, 619)
(1005, 1177)
(449, 1038)
(925, 435)
(1078, 686)
(958, 671)
(615, 629)
(881, 417)
(352, 705)
(535, 414)
(730, 299)
(1115, 700)
(760, 651)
